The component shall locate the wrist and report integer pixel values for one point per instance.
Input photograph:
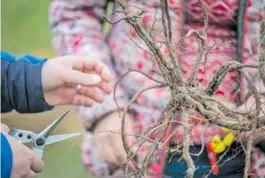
(97, 121)
(46, 85)
(50, 99)
(36, 99)
(112, 120)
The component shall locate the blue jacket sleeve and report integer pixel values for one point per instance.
(21, 87)
(6, 158)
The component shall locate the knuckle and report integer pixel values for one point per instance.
(89, 103)
(30, 157)
(32, 175)
(121, 159)
(24, 174)
(110, 160)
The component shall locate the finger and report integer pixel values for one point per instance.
(132, 166)
(83, 63)
(37, 164)
(122, 157)
(70, 76)
(119, 150)
(106, 152)
(134, 151)
(30, 174)
(130, 142)
(103, 71)
(92, 93)
(5, 128)
(82, 101)
(110, 156)
(105, 87)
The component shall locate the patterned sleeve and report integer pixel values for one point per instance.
(255, 14)
(76, 27)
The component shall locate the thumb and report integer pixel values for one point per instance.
(5, 129)
(37, 164)
(77, 77)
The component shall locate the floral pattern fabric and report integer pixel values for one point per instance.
(77, 29)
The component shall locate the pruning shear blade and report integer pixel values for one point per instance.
(57, 138)
(46, 132)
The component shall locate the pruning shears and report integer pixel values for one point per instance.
(39, 141)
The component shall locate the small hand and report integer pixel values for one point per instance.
(108, 141)
(62, 75)
(25, 163)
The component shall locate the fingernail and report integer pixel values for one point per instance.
(95, 78)
(100, 98)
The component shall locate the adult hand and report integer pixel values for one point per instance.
(75, 80)
(108, 141)
(25, 163)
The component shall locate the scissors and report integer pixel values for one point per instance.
(39, 141)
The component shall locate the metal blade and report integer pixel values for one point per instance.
(58, 138)
(46, 132)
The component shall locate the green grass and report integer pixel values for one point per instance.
(25, 25)
(63, 161)
(25, 29)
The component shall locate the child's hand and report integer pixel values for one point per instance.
(108, 141)
(75, 80)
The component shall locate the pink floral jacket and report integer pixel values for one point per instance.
(76, 26)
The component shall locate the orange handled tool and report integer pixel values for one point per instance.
(217, 146)
(212, 157)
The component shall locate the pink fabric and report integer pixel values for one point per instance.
(220, 11)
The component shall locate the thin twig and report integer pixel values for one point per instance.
(126, 147)
(186, 146)
(153, 24)
(124, 75)
(113, 23)
(201, 45)
(186, 95)
(167, 28)
(254, 123)
(262, 51)
(221, 73)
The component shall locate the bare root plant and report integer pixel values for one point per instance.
(185, 94)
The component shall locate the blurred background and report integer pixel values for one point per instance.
(25, 30)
